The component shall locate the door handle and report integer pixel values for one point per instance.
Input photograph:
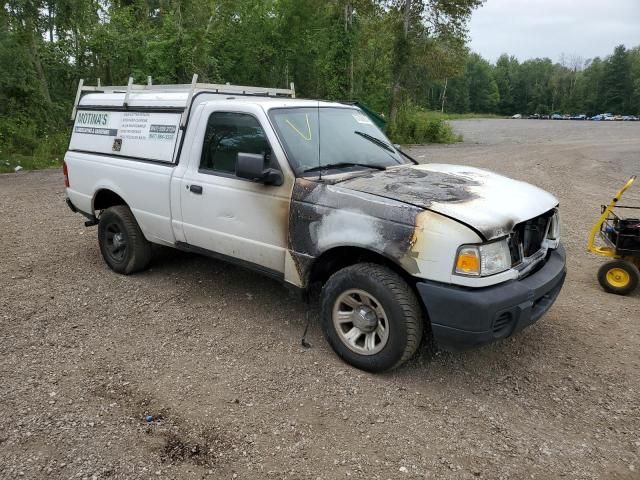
(197, 189)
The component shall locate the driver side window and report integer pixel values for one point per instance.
(227, 134)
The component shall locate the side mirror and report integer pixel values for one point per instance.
(251, 167)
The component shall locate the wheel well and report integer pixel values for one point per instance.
(105, 199)
(337, 258)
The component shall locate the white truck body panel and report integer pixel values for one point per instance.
(234, 217)
(144, 185)
(150, 135)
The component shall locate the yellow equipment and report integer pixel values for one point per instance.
(621, 237)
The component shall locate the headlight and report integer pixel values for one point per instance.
(483, 260)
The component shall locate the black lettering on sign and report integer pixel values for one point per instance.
(111, 132)
(162, 129)
(89, 118)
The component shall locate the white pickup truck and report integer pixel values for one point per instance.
(313, 193)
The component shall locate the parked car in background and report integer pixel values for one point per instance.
(516, 116)
(535, 116)
(556, 116)
(579, 117)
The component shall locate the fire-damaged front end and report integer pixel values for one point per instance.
(483, 249)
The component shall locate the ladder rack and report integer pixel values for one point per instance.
(190, 88)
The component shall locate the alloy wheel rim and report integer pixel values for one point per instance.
(360, 322)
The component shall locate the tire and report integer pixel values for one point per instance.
(373, 296)
(619, 277)
(121, 241)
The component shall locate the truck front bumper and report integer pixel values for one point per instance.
(463, 318)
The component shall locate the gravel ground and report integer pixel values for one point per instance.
(213, 353)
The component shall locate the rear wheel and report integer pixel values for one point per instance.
(619, 276)
(121, 241)
(371, 317)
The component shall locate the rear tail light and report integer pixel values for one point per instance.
(65, 172)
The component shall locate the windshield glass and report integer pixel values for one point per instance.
(347, 137)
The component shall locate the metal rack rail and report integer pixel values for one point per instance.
(190, 88)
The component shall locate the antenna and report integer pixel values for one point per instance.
(319, 138)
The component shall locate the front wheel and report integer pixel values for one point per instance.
(619, 277)
(371, 317)
(121, 241)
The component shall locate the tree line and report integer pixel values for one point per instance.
(395, 56)
(572, 85)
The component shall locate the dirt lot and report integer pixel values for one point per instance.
(213, 353)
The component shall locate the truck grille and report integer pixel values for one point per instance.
(527, 237)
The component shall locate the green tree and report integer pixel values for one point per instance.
(483, 89)
(417, 20)
(617, 82)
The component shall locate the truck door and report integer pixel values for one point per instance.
(230, 216)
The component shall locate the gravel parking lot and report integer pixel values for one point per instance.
(213, 353)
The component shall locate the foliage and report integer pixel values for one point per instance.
(415, 125)
(337, 49)
(402, 58)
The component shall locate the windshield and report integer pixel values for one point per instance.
(347, 138)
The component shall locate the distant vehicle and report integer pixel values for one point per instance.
(611, 118)
(579, 117)
(544, 117)
(556, 116)
(566, 117)
(535, 116)
(517, 115)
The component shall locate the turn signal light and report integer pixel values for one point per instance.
(468, 262)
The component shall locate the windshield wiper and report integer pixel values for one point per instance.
(375, 140)
(409, 157)
(343, 164)
(386, 146)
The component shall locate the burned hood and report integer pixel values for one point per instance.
(490, 203)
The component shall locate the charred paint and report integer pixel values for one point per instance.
(323, 216)
(489, 203)
(417, 187)
(384, 211)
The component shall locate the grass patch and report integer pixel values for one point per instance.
(46, 151)
(28, 162)
(415, 125)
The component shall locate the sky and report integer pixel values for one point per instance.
(548, 28)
